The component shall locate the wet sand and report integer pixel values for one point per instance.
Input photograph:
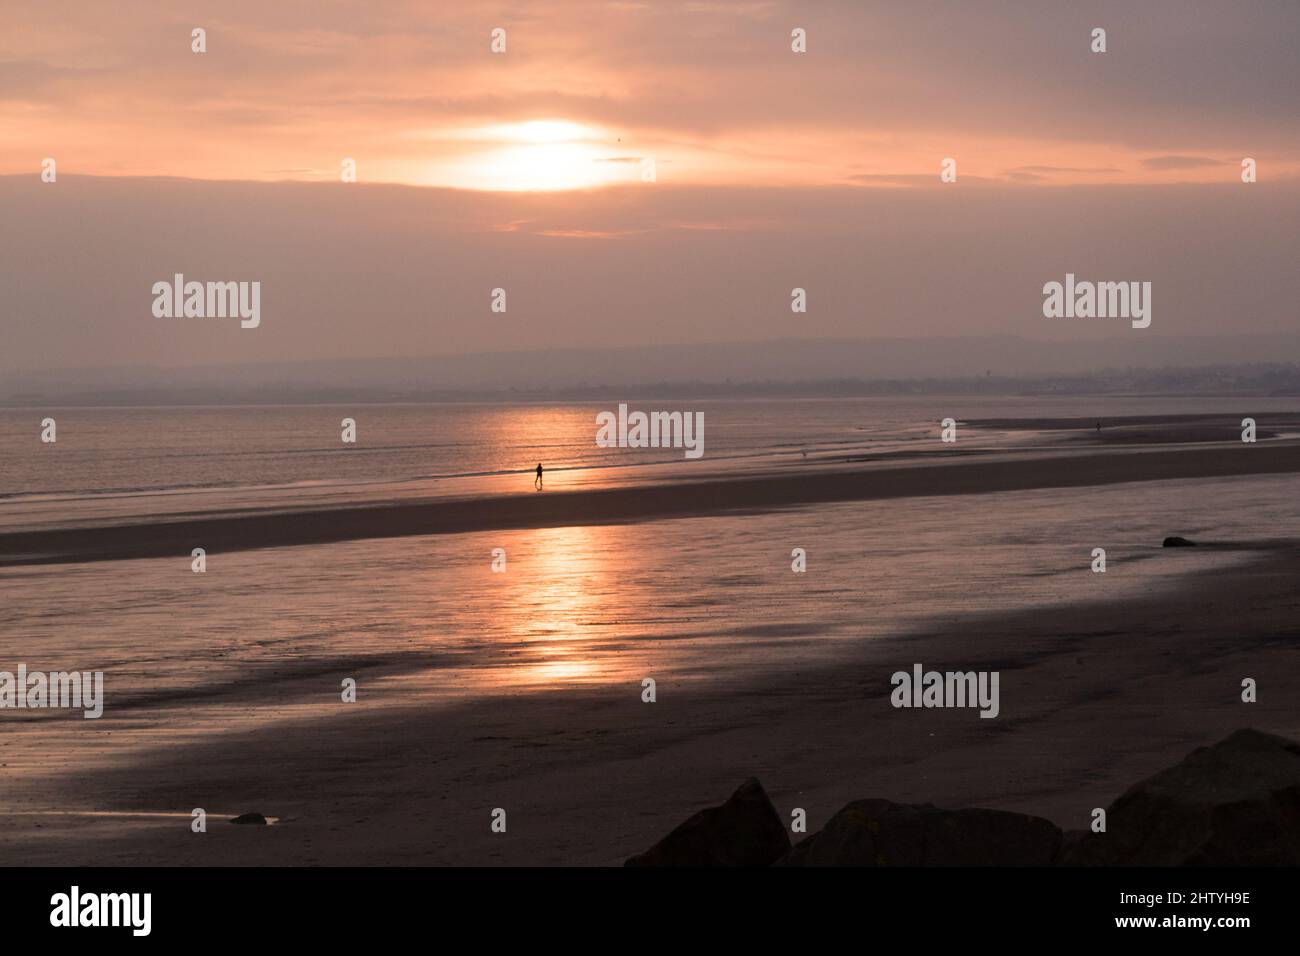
(1147, 429)
(1093, 697)
(950, 473)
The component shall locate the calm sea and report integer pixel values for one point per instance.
(117, 462)
(264, 636)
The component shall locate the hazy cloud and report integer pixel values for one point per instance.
(372, 270)
(713, 87)
(1180, 162)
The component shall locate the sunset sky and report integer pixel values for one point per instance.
(710, 90)
(773, 169)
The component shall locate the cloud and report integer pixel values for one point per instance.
(354, 270)
(1067, 169)
(711, 87)
(1180, 162)
(911, 180)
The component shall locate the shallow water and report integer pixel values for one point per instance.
(116, 464)
(269, 635)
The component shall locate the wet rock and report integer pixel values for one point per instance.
(254, 818)
(1177, 542)
(744, 831)
(884, 833)
(1236, 803)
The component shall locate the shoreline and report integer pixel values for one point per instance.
(623, 504)
(1095, 695)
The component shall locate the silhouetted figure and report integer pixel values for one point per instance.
(1099, 428)
(537, 483)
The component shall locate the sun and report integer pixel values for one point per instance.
(535, 155)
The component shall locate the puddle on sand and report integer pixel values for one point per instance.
(131, 815)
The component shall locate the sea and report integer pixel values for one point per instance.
(269, 635)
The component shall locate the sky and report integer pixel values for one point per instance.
(526, 169)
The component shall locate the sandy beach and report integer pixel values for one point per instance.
(954, 476)
(592, 777)
(491, 457)
(1097, 692)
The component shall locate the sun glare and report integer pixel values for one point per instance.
(537, 155)
(548, 131)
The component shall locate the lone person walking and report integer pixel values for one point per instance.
(537, 482)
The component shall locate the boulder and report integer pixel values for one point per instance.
(1177, 542)
(744, 831)
(884, 833)
(1236, 803)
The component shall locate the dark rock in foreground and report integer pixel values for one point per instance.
(1236, 803)
(883, 833)
(255, 818)
(744, 831)
(1177, 542)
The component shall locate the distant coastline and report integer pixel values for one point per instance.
(1266, 381)
(778, 368)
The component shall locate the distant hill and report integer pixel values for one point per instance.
(1135, 363)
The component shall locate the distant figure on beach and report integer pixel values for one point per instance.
(537, 483)
(1098, 429)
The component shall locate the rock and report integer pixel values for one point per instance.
(255, 818)
(883, 833)
(1236, 803)
(1177, 542)
(744, 831)
(1072, 843)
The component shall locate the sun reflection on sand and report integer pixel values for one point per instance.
(567, 670)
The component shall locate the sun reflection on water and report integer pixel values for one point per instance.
(558, 601)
